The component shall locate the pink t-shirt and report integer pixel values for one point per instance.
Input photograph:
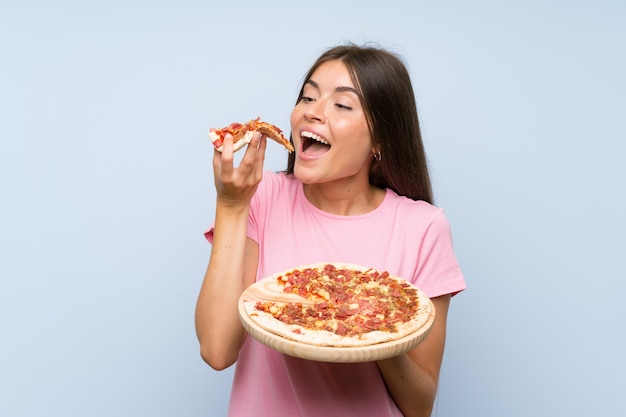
(408, 238)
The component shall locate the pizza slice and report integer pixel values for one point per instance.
(242, 134)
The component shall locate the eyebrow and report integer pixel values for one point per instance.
(338, 89)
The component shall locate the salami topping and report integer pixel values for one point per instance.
(341, 305)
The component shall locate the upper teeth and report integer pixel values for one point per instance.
(314, 136)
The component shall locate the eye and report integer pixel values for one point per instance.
(343, 106)
(306, 99)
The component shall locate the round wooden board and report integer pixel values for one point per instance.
(268, 290)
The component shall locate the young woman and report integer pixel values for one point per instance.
(356, 190)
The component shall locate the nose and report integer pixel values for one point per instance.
(314, 112)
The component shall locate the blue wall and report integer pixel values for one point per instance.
(106, 187)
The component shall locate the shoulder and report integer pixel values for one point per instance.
(405, 206)
(417, 217)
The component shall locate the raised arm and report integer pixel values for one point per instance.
(234, 257)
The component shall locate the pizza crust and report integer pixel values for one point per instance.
(267, 289)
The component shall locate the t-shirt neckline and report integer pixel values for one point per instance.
(311, 207)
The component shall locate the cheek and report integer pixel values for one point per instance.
(358, 156)
(293, 120)
(359, 139)
(358, 151)
(296, 114)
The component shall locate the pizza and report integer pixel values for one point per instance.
(337, 305)
(242, 134)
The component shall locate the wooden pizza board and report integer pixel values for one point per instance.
(268, 290)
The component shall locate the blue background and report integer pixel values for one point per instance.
(106, 187)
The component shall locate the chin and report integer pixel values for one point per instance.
(304, 175)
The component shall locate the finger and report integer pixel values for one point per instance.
(263, 143)
(228, 147)
(258, 157)
(261, 154)
(217, 157)
(255, 153)
(254, 142)
(226, 156)
(250, 151)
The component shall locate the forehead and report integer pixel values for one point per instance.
(331, 74)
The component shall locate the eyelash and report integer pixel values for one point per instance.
(306, 99)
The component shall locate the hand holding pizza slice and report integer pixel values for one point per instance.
(242, 134)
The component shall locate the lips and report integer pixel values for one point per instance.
(313, 144)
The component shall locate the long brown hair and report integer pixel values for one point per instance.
(389, 103)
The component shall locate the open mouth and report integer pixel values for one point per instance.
(313, 144)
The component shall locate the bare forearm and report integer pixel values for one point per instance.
(412, 377)
(217, 322)
(412, 388)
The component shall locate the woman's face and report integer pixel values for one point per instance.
(330, 132)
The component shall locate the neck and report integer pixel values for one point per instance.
(344, 199)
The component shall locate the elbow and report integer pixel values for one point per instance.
(216, 359)
(428, 412)
(425, 412)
